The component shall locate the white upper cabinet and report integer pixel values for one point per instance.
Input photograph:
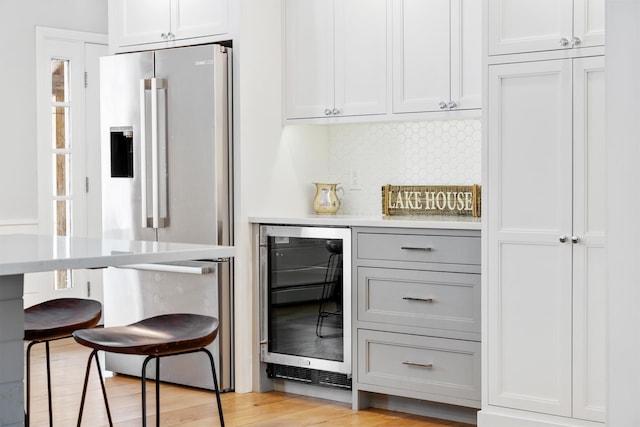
(436, 55)
(518, 26)
(335, 58)
(140, 22)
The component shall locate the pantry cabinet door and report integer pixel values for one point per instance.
(589, 292)
(529, 352)
(309, 56)
(529, 25)
(421, 63)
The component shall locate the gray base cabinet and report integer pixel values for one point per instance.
(417, 315)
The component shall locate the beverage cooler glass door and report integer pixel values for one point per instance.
(305, 297)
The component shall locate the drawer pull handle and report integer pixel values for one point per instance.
(414, 248)
(418, 299)
(419, 365)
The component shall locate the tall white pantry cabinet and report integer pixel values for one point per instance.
(543, 267)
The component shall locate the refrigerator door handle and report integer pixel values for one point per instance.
(186, 267)
(158, 217)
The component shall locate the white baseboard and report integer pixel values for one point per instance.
(504, 417)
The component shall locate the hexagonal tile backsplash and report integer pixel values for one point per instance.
(364, 157)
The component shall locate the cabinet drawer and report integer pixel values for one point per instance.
(419, 248)
(430, 299)
(438, 366)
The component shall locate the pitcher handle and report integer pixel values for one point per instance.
(341, 190)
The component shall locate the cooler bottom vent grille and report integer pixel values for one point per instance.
(310, 376)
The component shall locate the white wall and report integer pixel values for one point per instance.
(18, 162)
(623, 205)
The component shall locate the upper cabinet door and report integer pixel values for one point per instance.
(518, 26)
(309, 58)
(466, 54)
(588, 22)
(529, 25)
(138, 22)
(197, 18)
(421, 45)
(361, 57)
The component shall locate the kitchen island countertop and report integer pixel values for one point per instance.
(412, 221)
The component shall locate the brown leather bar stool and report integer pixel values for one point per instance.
(155, 337)
(53, 320)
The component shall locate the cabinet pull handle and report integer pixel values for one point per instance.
(416, 248)
(418, 299)
(419, 365)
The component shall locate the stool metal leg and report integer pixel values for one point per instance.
(157, 392)
(26, 415)
(144, 390)
(215, 385)
(28, 411)
(93, 354)
(46, 343)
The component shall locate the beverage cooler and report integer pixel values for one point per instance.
(305, 298)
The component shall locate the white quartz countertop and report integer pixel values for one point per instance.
(432, 221)
(27, 253)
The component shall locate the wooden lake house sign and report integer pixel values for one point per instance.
(431, 200)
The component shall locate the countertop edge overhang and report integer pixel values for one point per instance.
(414, 221)
(30, 253)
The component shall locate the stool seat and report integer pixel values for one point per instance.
(59, 318)
(155, 336)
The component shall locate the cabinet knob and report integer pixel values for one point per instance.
(335, 112)
(327, 112)
(575, 41)
(564, 42)
(443, 105)
(452, 105)
(164, 36)
(563, 238)
(575, 239)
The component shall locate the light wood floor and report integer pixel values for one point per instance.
(185, 406)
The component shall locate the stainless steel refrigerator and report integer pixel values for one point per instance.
(166, 176)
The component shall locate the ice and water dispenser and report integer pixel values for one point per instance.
(122, 152)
